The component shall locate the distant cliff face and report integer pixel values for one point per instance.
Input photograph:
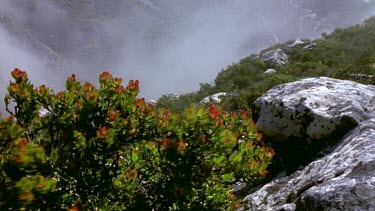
(151, 40)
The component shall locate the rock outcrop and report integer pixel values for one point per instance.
(296, 42)
(270, 71)
(275, 57)
(344, 178)
(216, 98)
(313, 107)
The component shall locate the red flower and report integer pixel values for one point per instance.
(15, 87)
(133, 85)
(74, 208)
(237, 206)
(104, 76)
(263, 173)
(120, 89)
(166, 143)
(90, 95)
(181, 145)
(72, 78)
(23, 142)
(102, 132)
(60, 95)
(112, 114)
(252, 164)
(131, 174)
(118, 81)
(88, 87)
(42, 89)
(166, 115)
(244, 113)
(213, 111)
(17, 159)
(231, 195)
(18, 74)
(150, 106)
(140, 102)
(10, 118)
(269, 152)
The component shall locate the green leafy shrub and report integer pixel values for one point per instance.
(24, 179)
(104, 148)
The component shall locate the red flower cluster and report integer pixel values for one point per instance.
(60, 95)
(140, 102)
(42, 89)
(102, 132)
(112, 114)
(133, 85)
(19, 74)
(118, 81)
(120, 89)
(105, 75)
(72, 78)
(244, 114)
(88, 87)
(213, 111)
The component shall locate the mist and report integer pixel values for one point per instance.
(169, 45)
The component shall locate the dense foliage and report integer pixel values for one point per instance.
(105, 149)
(338, 55)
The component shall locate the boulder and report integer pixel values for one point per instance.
(313, 108)
(275, 57)
(341, 176)
(297, 42)
(216, 98)
(309, 46)
(342, 180)
(270, 71)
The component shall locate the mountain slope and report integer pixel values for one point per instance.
(347, 53)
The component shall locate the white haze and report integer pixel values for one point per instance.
(169, 45)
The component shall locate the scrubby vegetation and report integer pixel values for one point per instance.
(105, 149)
(338, 55)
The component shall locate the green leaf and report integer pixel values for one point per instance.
(227, 177)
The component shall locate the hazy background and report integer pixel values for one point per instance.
(169, 45)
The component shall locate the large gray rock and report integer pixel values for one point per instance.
(343, 176)
(275, 57)
(313, 108)
(342, 180)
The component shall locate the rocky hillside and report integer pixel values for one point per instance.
(347, 53)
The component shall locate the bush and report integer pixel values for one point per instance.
(104, 148)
